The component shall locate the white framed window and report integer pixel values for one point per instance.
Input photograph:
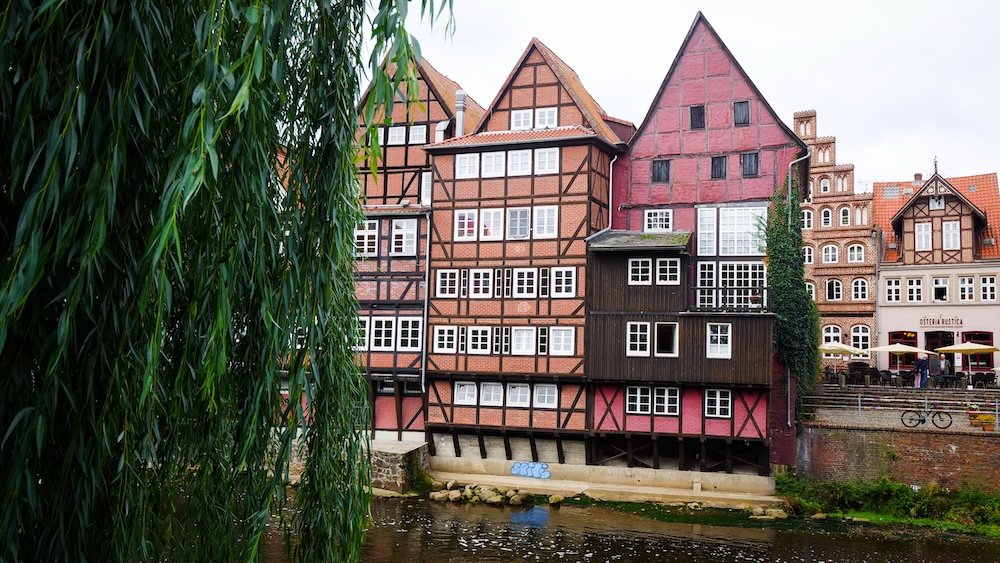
(668, 271)
(409, 334)
(988, 288)
(547, 161)
(520, 119)
(494, 164)
(381, 136)
(966, 288)
(465, 393)
(951, 235)
(706, 231)
(361, 336)
(855, 253)
(807, 255)
(845, 216)
(546, 396)
(658, 220)
(491, 395)
(467, 165)
(480, 340)
(826, 218)
(366, 239)
(418, 134)
(640, 271)
(465, 224)
(859, 289)
(831, 254)
(834, 290)
(667, 340)
(445, 339)
(563, 282)
(518, 395)
(522, 341)
(519, 163)
(397, 135)
(383, 334)
(719, 340)
(939, 287)
(426, 188)
(404, 237)
(935, 203)
(915, 290)
(740, 230)
(743, 284)
(518, 222)
(481, 283)
(637, 400)
(922, 234)
(831, 335)
(811, 290)
(525, 282)
(491, 224)
(546, 221)
(893, 290)
(861, 337)
(562, 341)
(667, 401)
(638, 339)
(807, 219)
(718, 403)
(824, 185)
(447, 283)
(546, 118)
(706, 284)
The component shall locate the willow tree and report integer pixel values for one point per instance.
(178, 198)
(796, 326)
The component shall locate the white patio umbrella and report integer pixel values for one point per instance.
(967, 348)
(898, 350)
(841, 349)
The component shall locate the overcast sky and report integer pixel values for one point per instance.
(896, 82)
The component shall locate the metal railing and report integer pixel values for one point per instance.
(881, 411)
(739, 299)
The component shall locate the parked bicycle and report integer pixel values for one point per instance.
(913, 419)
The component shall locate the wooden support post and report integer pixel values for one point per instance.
(559, 449)
(429, 438)
(729, 456)
(704, 461)
(764, 469)
(506, 445)
(628, 448)
(454, 441)
(534, 447)
(656, 451)
(680, 454)
(482, 444)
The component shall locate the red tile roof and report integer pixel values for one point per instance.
(525, 136)
(982, 190)
(446, 87)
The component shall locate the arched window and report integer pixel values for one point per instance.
(830, 254)
(855, 253)
(859, 289)
(826, 218)
(840, 183)
(809, 194)
(807, 255)
(824, 185)
(811, 290)
(861, 337)
(831, 335)
(861, 216)
(834, 290)
(845, 216)
(807, 219)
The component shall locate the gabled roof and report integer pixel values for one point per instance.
(633, 240)
(935, 180)
(591, 110)
(487, 138)
(441, 86)
(700, 18)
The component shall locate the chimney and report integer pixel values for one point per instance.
(459, 113)
(918, 177)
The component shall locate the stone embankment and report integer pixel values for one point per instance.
(478, 494)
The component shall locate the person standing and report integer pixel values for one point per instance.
(945, 365)
(933, 369)
(920, 372)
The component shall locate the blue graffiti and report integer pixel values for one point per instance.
(531, 469)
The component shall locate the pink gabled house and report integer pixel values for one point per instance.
(681, 363)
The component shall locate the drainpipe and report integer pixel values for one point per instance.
(788, 372)
(611, 199)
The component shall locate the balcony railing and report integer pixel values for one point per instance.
(738, 299)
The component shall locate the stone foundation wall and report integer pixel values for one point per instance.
(395, 470)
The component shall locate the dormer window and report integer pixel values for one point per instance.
(521, 119)
(546, 118)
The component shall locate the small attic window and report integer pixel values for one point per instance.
(697, 117)
(972, 187)
(890, 192)
(741, 113)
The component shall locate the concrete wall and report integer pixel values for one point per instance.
(520, 448)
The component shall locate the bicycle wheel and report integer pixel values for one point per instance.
(911, 418)
(941, 419)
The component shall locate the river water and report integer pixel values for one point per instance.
(419, 531)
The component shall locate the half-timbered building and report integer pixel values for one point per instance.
(391, 246)
(679, 353)
(513, 204)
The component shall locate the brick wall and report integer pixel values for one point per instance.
(830, 453)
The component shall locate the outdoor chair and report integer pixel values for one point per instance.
(979, 380)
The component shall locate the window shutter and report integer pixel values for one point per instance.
(461, 339)
(543, 340)
(506, 340)
(498, 283)
(508, 275)
(543, 282)
(464, 284)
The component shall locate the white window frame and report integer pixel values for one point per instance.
(951, 235)
(562, 341)
(367, 234)
(914, 288)
(855, 254)
(708, 231)
(740, 231)
(361, 337)
(831, 254)
(405, 327)
(637, 347)
(388, 325)
(861, 295)
(745, 283)
(512, 224)
(706, 283)
(638, 399)
(418, 134)
(658, 220)
(545, 219)
(466, 166)
(831, 335)
(676, 340)
(811, 290)
(893, 290)
(479, 340)
(494, 164)
(966, 289)
(545, 396)
(718, 403)
(462, 393)
(546, 118)
(396, 135)
(519, 163)
(443, 335)
(521, 119)
(547, 161)
(446, 283)
(527, 341)
(404, 237)
(834, 290)
(524, 290)
(667, 401)
(807, 219)
(988, 288)
(826, 218)
(480, 283)
(466, 224)
(861, 337)
(923, 240)
(640, 271)
(522, 390)
(938, 282)
(807, 255)
(426, 188)
(563, 280)
(723, 347)
(491, 219)
(668, 271)
(491, 395)
(845, 216)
